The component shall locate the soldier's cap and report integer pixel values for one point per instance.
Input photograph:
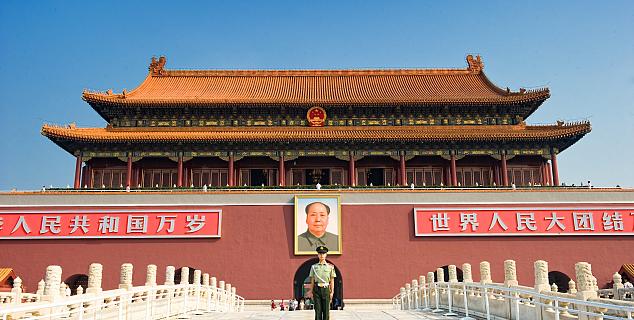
(322, 249)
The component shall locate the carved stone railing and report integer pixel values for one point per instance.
(509, 300)
(151, 301)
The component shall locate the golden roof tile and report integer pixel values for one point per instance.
(316, 134)
(337, 87)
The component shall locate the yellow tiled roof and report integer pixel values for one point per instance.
(337, 87)
(332, 133)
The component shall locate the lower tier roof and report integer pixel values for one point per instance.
(549, 134)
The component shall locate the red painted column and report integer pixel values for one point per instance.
(179, 183)
(454, 173)
(505, 175)
(351, 169)
(550, 176)
(403, 179)
(281, 171)
(129, 173)
(231, 172)
(77, 184)
(553, 158)
(545, 172)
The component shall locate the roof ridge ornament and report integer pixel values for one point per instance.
(475, 65)
(157, 67)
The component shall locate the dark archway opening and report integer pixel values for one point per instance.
(301, 281)
(177, 275)
(76, 280)
(258, 177)
(446, 272)
(560, 279)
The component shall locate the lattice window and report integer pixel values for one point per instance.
(429, 176)
(109, 178)
(164, 178)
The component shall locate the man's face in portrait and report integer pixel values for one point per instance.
(317, 218)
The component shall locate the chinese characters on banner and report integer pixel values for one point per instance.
(524, 221)
(110, 222)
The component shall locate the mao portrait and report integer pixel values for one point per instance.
(317, 223)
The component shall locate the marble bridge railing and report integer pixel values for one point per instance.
(510, 300)
(150, 301)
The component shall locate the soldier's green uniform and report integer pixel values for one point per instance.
(322, 274)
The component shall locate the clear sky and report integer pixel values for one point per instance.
(51, 50)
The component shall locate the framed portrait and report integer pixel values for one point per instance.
(317, 223)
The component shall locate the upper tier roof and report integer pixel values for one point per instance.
(467, 86)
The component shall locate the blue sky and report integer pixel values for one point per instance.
(50, 51)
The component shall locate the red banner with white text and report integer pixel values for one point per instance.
(526, 220)
(68, 222)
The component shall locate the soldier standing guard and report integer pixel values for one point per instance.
(322, 280)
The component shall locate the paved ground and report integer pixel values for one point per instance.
(334, 315)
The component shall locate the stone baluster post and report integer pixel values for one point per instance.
(467, 276)
(432, 285)
(229, 297)
(235, 299)
(572, 287)
(415, 295)
(17, 291)
(440, 275)
(184, 275)
(510, 273)
(150, 278)
(95, 274)
(541, 284)
(80, 290)
(485, 272)
(403, 298)
(197, 276)
(40, 288)
(421, 290)
(214, 292)
(125, 278)
(53, 282)
(221, 292)
(618, 284)
(170, 272)
(585, 282)
(453, 274)
(206, 279)
(408, 295)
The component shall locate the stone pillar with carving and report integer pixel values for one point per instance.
(95, 274)
(52, 283)
(197, 276)
(170, 272)
(440, 275)
(408, 296)
(40, 287)
(541, 276)
(467, 276)
(485, 272)
(17, 291)
(206, 279)
(586, 286)
(125, 278)
(453, 274)
(150, 277)
(415, 295)
(184, 275)
(510, 273)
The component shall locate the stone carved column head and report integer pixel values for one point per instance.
(228, 287)
(125, 279)
(541, 272)
(205, 279)
(415, 284)
(430, 277)
(150, 277)
(453, 274)
(184, 275)
(510, 273)
(408, 286)
(221, 284)
(421, 280)
(17, 285)
(485, 272)
(618, 281)
(40, 287)
(572, 287)
(170, 272)
(440, 274)
(214, 282)
(52, 280)
(583, 271)
(467, 276)
(95, 274)
(197, 276)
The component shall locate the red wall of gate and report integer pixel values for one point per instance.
(255, 253)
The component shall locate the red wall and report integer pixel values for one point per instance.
(255, 253)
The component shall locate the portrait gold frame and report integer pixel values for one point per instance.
(299, 212)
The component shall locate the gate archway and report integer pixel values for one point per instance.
(301, 279)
